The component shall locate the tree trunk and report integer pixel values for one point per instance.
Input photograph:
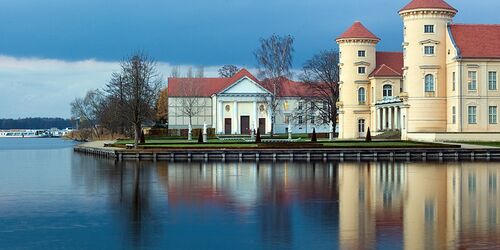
(137, 135)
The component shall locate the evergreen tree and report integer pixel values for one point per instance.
(368, 136)
(257, 138)
(314, 137)
(143, 139)
(200, 137)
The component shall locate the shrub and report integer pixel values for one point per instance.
(368, 136)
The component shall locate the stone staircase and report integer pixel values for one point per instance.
(389, 135)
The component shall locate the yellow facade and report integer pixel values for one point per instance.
(432, 98)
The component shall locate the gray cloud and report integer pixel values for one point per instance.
(32, 87)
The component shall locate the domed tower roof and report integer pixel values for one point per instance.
(428, 4)
(358, 30)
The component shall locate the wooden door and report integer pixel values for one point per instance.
(227, 126)
(245, 125)
(262, 125)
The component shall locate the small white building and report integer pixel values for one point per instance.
(238, 104)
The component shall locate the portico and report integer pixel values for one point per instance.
(389, 114)
(388, 118)
(241, 108)
(240, 114)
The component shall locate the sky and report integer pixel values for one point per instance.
(52, 51)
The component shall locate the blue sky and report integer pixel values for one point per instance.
(175, 32)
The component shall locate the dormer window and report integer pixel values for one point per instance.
(361, 70)
(361, 53)
(428, 29)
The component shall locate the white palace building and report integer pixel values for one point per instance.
(237, 104)
(443, 85)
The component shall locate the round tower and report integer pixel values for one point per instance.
(424, 48)
(357, 60)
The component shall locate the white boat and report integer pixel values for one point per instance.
(24, 134)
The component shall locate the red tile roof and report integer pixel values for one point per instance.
(206, 87)
(388, 64)
(358, 30)
(428, 4)
(290, 88)
(477, 40)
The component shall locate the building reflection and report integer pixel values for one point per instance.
(345, 205)
(421, 206)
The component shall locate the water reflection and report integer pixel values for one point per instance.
(299, 205)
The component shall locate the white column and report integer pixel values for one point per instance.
(396, 117)
(378, 119)
(268, 120)
(235, 118)
(384, 119)
(255, 116)
(220, 117)
(390, 117)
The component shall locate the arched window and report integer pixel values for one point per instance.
(429, 83)
(361, 95)
(387, 90)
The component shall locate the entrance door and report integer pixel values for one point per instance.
(262, 125)
(361, 128)
(227, 126)
(245, 125)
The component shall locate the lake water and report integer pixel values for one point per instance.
(52, 198)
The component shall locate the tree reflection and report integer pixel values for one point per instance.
(289, 205)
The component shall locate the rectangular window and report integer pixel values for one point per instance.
(312, 119)
(429, 50)
(472, 80)
(301, 106)
(492, 80)
(361, 70)
(454, 114)
(428, 28)
(472, 114)
(361, 53)
(492, 113)
(300, 120)
(454, 81)
(287, 119)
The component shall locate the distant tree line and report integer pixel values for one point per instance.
(36, 123)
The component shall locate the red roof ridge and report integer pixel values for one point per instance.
(384, 66)
(358, 30)
(428, 4)
(475, 24)
(393, 52)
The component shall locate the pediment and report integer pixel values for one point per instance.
(362, 63)
(245, 85)
(429, 41)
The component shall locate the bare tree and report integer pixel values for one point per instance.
(140, 83)
(190, 101)
(88, 109)
(189, 73)
(321, 73)
(228, 71)
(114, 113)
(175, 72)
(274, 60)
(200, 72)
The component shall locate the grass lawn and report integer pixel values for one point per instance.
(305, 143)
(482, 143)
